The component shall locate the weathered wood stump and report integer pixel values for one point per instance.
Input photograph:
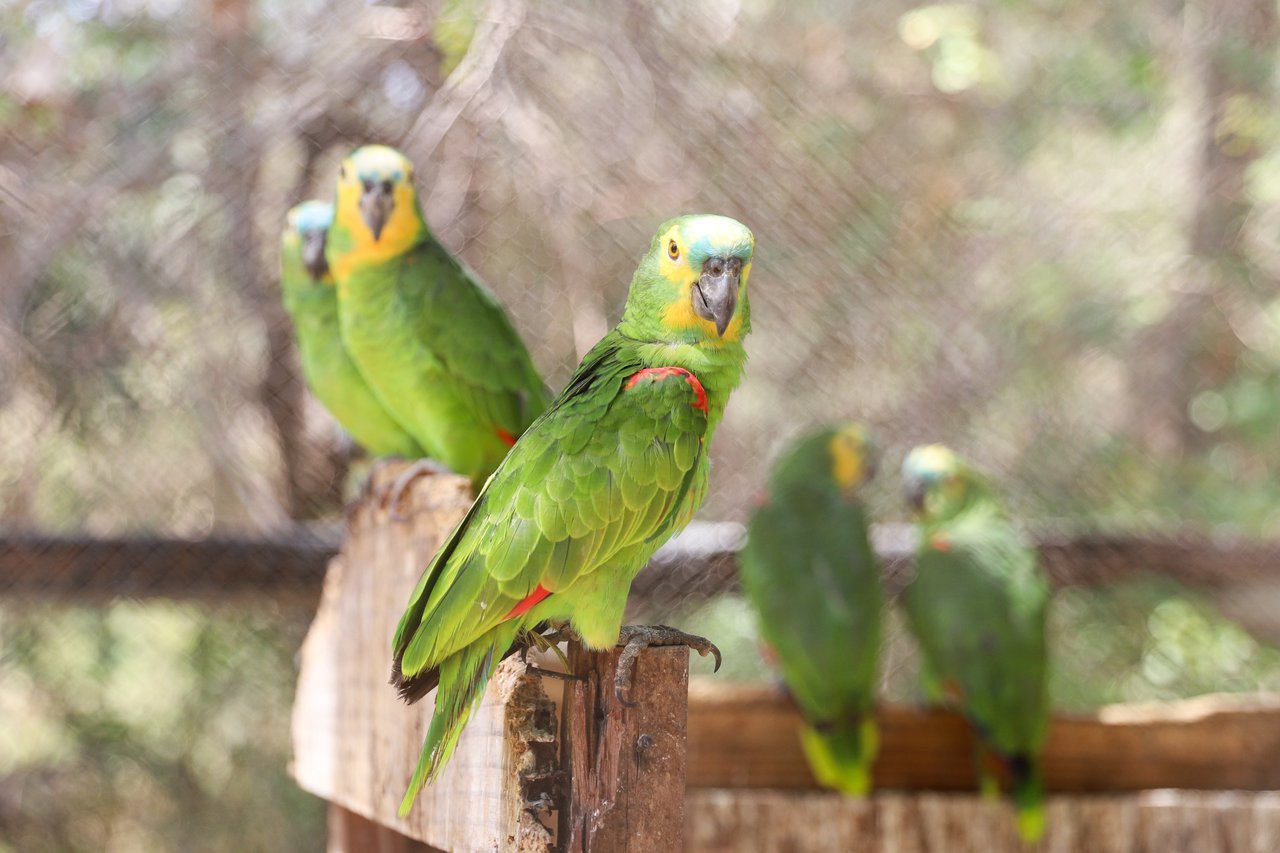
(518, 779)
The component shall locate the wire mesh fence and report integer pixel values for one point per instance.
(1044, 233)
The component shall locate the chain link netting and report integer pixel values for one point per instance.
(1044, 233)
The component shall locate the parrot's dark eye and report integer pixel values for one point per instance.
(367, 185)
(386, 187)
(673, 250)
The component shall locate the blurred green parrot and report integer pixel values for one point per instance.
(978, 606)
(809, 570)
(611, 470)
(312, 301)
(431, 340)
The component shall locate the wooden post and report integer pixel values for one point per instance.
(626, 765)
(614, 780)
(356, 743)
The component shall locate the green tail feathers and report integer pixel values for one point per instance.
(1028, 798)
(841, 757)
(463, 677)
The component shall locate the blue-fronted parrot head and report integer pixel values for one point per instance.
(692, 283)
(308, 224)
(934, 480)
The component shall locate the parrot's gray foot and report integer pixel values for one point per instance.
(633, 638)
(391, 497)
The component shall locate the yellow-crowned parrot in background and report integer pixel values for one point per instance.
(978, 606)
(809, 570)
(610, 471)
(431, 340)
(312, 301)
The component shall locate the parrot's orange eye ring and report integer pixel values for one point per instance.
(673, 250)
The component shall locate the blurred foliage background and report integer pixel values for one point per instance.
(1046, 232)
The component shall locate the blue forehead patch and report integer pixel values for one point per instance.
(929, 463)
(381, 173)
(717, 236)
(312, 216)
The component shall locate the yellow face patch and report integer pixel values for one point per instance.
(673, 265)
(848, 463)
(403, 229)
(673, 261)
(680, 315)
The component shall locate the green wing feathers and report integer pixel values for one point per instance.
(569, 517)
(470, 333)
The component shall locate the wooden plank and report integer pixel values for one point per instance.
(744, 736)
(626, 765)
(356, 743)
(699, 563)
(85, 568)
(351, 833)
(731, 820)
(702, 563)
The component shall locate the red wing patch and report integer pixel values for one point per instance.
(507, 438)
(940, 543)
(699, 393)
(539, 592)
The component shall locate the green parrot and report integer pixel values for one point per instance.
(312, 301)
(609, 472)
(809, 571)
(978, 606)
(432, 341)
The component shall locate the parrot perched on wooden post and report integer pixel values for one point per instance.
(978, 606)
(616, 466)
(312, 301)
(811, 574)
(430, 338)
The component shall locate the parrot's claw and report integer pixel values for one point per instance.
(551, 673)
(633, 638)
(390, 498)
(543, 642)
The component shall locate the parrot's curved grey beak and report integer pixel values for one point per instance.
(313, 254)
(871, 464)
(376, 204)
(715, 294)
(916, 490)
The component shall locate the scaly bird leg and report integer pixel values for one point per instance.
(389, 499)
(633, 638)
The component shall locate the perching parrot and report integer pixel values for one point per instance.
(609, 472)
(312, 301)
(809, 570)
(978, 606)
(431, 340)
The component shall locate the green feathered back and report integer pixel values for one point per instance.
(332, 376)
(811, 574)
